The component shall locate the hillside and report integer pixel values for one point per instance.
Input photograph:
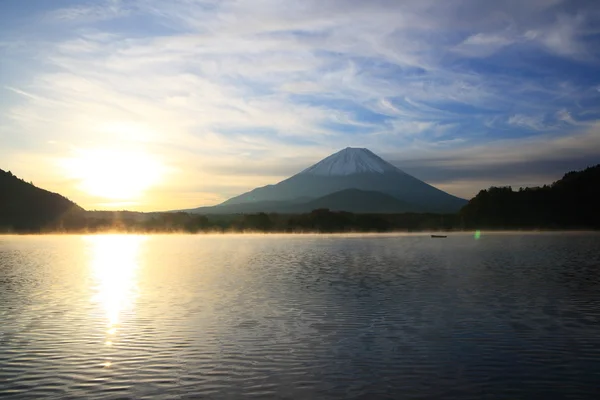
(358, 201)
(571, 202)
(350, 200)
(27, 208)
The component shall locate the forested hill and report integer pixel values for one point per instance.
(571, 202)
(27, 208)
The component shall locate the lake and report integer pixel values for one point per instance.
(506, 316)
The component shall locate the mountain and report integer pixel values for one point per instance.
(571, 202)
(358, 201)
(26, 208)
(348, 162)
(350, 168)
(351, 200)
(250, 207)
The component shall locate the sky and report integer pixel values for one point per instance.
(156, 105)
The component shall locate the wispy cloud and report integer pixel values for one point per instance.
(234, 94)
(518, 162)
(535, 122)
(79, 13)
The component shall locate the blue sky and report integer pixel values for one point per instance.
(213, 98)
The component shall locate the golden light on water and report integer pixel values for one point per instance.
(114, 264)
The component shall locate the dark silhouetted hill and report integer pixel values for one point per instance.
(27, 208)
(350, 200)
(358, 201)
(571, 202)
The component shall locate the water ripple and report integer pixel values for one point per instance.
(328, 317)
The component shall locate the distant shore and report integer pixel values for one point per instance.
(321, 221)
(311, 233)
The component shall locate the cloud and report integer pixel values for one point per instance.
(535, 122)
(236, 94)
(562, 36)
(89, 12)
(485, 44)
(526, 162)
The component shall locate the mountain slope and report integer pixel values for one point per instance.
(351, 200)
(359, 201)
(25, 207)
(250, 207)
(353, 168)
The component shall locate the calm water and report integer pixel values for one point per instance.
(315, 317)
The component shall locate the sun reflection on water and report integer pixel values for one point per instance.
(114, 265)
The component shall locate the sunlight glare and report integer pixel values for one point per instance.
(114, 174)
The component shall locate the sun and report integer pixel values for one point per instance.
(114, 174)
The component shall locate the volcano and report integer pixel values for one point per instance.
(374, 180)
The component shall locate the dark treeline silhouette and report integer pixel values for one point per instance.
(25, 207)
(569, 203)
(322, 220)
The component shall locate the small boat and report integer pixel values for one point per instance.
(439, 236)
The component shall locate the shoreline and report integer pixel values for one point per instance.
(309, 233)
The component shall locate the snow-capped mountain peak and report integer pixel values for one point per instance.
(348, 169)
(350, 161)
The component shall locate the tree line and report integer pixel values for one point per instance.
(569, 203)
(320, 221)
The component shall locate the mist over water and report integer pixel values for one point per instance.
(300, 316)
